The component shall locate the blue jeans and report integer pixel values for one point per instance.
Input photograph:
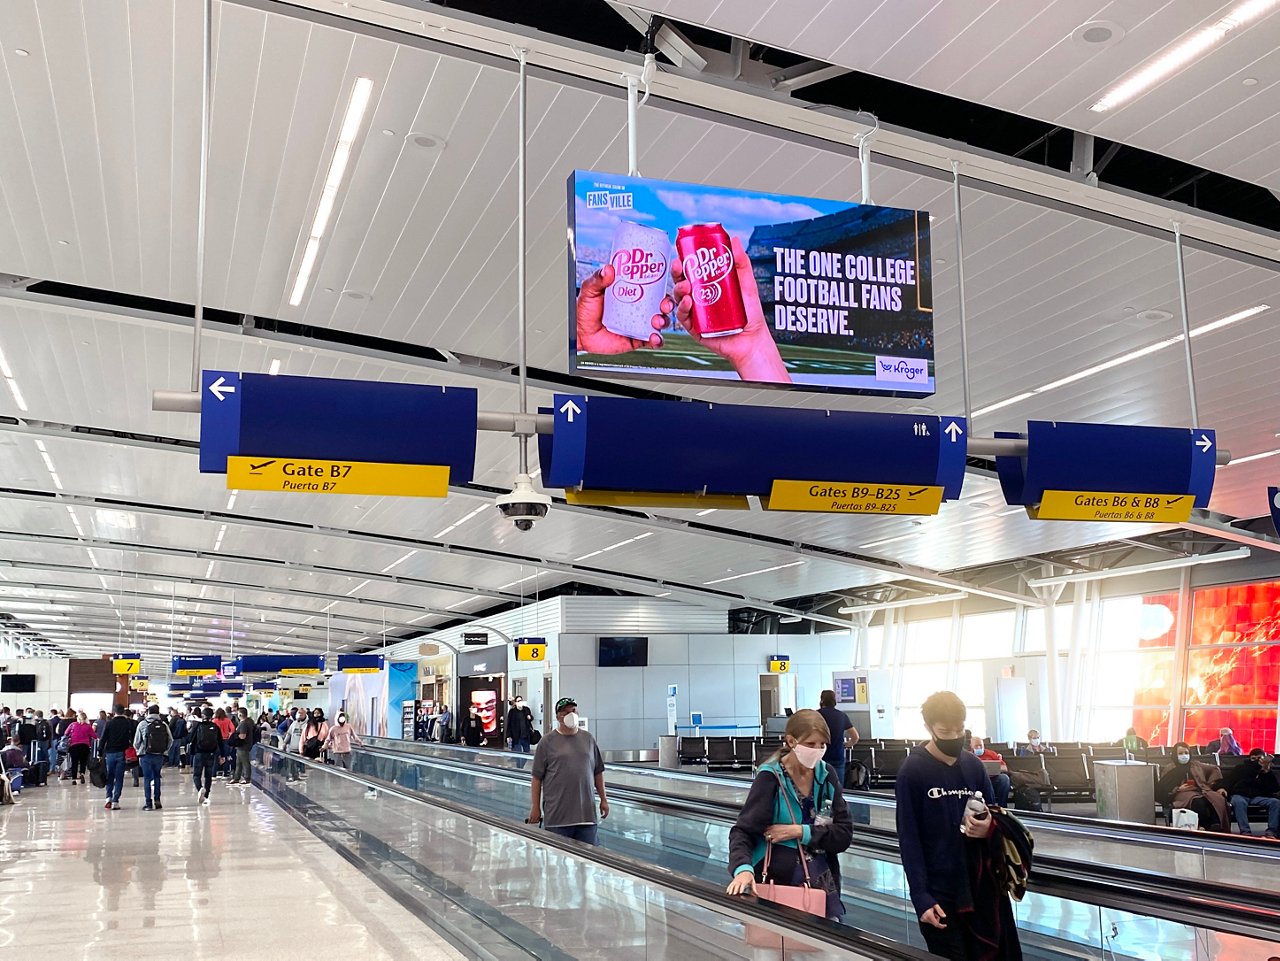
(51, 757)
(586, 833)
(202, 765)
(521, 746)
(1001, 787)
(837, 771)
(175, 752)
(1240, 806)
(115, 774)
(151, 765)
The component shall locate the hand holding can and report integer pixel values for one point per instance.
(752, 352)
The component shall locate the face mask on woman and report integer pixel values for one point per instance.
(1184, 758)
(342, 719)
(808, 756)
(1035, 742)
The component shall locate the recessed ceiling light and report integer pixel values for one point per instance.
(1129, 310)
(355, 295)
(919, 409)
(388, 132)
(22, 53)
(1250, 81)
(939, 260)
(1153, 316)
(979, 505)
(1098, 33)
(64, 243)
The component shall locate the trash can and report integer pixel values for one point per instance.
(669, 752)
(1126, 791)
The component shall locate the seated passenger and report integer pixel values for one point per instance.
(1000, 783)
(13, 756)
(1035, 745)
(1224, 743)
(1195, 786)
(1255, 783)
(1132, 743)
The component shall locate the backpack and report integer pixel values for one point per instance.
(43, 731)
(206, 737)
(156, 738)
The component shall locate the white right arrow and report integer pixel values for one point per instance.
(953, 431)
(569, 408)
(220, 388)
(1204, 444)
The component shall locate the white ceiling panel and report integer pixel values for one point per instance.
(1022, 59)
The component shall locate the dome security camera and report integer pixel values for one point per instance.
(523, 506)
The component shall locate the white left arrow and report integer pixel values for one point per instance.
(1204, 444)
(953, 431)
(220, 388)
(569, 408)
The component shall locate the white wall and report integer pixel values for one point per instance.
(717, 674)
(52, 685)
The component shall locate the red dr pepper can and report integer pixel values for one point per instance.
(707, 260)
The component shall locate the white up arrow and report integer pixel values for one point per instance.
(1204, 444)
(220, 388)
(953, 431)
(569, 408)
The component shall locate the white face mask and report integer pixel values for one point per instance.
(342, 719)
(808, 756)
(1035, 742)
(1184, 758)
(570, 719)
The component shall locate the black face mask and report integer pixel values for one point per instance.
(950, 746)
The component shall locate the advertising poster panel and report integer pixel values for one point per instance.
(688, 282)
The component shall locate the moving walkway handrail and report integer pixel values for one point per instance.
(1122, 831)
(1209, 904)
(785, 920)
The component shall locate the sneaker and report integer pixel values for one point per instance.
(204, 796)
(115, 805)
(107, 806)
(148, 807)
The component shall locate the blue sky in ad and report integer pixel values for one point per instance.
(670, 205)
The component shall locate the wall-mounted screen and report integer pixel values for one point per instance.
(18, 683)
(623, 652)
(681, 281)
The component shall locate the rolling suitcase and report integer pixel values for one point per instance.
(37, 775)
(98, 772)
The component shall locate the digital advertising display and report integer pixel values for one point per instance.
(678, 281)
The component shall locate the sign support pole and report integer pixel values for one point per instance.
(964, 326)
(520, 255)
(1186, 325)
(207, 75)
(633, 92)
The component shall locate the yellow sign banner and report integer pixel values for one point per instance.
(139, 684)
(531, 652)
(1113, 506)
(358, 670)
(292, 475)
(296, 671)
(833, 498)
(196, 672)
(721, 502)
(126, 665)
(779, 665)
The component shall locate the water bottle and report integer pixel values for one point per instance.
(824, 816)
(977, 808)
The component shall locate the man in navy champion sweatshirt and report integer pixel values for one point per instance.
(946, 853)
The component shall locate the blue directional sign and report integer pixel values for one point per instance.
(280, 664)
(1110, 472)
(360, 663)
(201, 666)
(219, 419)
(621, 444)
(258, 415)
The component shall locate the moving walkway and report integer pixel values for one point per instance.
(1073, 910)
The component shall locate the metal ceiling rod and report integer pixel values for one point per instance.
(206, 97)
(1186, 325)
(964, 326)
(633, 92)
(520, 253)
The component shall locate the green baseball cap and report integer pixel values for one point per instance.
(565, 702)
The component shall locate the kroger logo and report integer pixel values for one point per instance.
(902, 370)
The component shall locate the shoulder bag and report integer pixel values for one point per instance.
(803, 897)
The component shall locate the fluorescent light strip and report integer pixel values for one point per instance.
(709, 510)
(465, 600)
(351, 124)
(93, 559)
(1126, 358)
(1178, 56)
(456, 524)
(222, 532)
(522, 580)
(1173, 564)
(358, 587)
(395, 564)
(275, 367)
(605, 550)
(231, 501)
(75, 520)
(209, 571)
(763, 570)
(907, 602)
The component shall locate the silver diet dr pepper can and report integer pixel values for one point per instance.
(640, 261)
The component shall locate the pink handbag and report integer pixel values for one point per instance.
(804, 897)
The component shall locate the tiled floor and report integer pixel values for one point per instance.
(237, 879)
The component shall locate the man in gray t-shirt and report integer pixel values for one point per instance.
(566, 766)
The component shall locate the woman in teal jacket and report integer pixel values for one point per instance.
(796, 806)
